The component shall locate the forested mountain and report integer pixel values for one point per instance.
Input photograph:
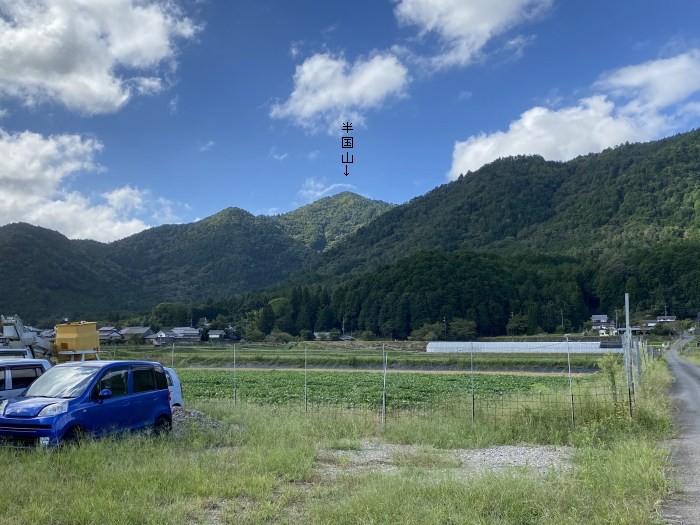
(46, 275)
(230, 252)
(43, 272)
(630, 196)
(322, 224)
(508, 247)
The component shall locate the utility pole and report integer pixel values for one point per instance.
(562, 319)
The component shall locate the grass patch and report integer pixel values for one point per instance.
(260, 466)
(616, 485)
(265, 471)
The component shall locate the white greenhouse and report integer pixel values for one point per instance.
(528, 347)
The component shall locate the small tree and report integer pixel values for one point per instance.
(517, 325)
(461, 330)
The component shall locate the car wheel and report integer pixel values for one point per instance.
(73, 435)
(162, 425)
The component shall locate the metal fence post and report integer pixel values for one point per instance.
(306, 395)
(472, 377)
(235, 383)
(384, 354)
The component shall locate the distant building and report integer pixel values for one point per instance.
(186, 334)
(601, 323)
(138, 333)
(109, 334)
(164, 337)
(216, 336)
(665, 318)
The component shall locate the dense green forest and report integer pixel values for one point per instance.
(522, 245)
(47, 277)
(329, 220)
(462, 295)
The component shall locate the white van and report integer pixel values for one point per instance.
(18, 374)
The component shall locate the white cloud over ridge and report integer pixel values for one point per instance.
(635, 103)
(464, 27)
(328, 90)
(314, 189)
(76, 52)
(34, 179)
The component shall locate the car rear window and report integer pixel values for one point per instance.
(22, 377)
(144, 379)
(162, 379)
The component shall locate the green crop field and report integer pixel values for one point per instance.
(294, 355)
(358, 388)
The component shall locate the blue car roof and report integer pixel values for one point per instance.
(102, 364)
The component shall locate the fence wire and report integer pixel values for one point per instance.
(483, 394)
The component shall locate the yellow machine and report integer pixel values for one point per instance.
(77, 341)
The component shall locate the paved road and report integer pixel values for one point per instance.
(686, 447)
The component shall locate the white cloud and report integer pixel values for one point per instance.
(464, 27)
(35, 178)
(655, 84)
(314, 189)
(328, 90)
(80, 52)
(163, 212)
(295, 48)
(277, 156)
(173, 104)
(125, 198)
(206, 146)
(635, 103)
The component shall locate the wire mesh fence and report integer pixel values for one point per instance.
(480, 396)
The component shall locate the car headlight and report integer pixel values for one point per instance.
(3, 404)
(55, 409)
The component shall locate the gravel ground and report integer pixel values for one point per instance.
(184, 417)
(383, 457)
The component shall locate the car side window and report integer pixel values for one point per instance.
(115, 380)
(170, 379)
(2, 379)
(23, 377)
(143, 378)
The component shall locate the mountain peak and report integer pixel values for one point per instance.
(325, 222)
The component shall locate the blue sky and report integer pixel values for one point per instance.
(118, 115)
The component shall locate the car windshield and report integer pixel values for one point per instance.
(64, 382)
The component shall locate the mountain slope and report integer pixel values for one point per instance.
(43, 271)
(230, 252)
(46, 275)
(324, 223)
(623, 197)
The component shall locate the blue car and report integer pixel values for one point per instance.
(87, 397)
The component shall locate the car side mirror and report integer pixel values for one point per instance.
(105, 393)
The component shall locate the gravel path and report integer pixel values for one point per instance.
(685, 510)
